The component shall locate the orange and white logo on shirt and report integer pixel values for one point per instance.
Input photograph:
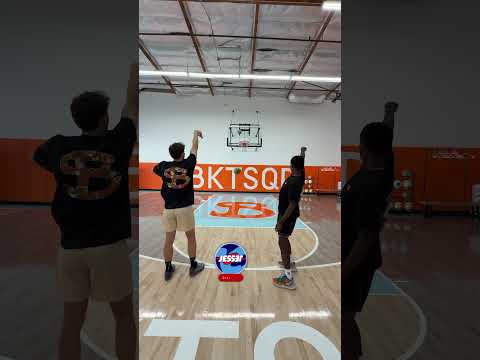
(86, 165)
(177, 178)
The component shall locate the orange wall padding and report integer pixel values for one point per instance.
(353, 166)
(268, 178)
(24, 181)
(448, 180)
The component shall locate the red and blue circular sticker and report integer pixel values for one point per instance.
(231, 260)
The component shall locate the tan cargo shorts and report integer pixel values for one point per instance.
(103, 273)
(181, 219)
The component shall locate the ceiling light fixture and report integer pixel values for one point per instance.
(332, 5)
(320, 79)
(184, 74)
(266, 77)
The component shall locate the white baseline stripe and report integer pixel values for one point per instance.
(267, 268)
(193, 328)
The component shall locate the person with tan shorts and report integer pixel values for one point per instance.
(91, 206)
(177, 192)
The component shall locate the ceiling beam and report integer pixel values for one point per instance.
(312, 49)
(242, 37)
(332, 91)
(157, 90)
(254, 46)
(193, 86)
(154, 62)
(265, 2)
(338, 97)
(196, 44)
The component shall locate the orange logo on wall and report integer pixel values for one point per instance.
(234, 208)
(251, 178)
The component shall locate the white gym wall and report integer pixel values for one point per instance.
(42, 71)
(402, 50)
(285, 127)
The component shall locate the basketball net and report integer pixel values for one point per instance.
(243, 145)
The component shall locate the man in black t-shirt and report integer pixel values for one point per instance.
(177, 192)
(92, 209)
(364, 202)
(288, 213)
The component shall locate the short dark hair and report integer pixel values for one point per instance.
(377, 138)
(88, 108)
(176, 150)
(298, 162)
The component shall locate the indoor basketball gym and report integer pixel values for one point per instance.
(254, 118)
(31, 302)
(434, 202)
(33, 255)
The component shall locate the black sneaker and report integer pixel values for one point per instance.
(169, 274)
(198, 269)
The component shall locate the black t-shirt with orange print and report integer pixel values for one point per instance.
(92, 198)
(177, 177)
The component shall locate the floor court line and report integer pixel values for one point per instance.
(422, 323)
(422, 320)
(407, 355)
(89, 342)
(303, 258)
(307, 227)
(97, 350)
(398, 291)
(271, 268)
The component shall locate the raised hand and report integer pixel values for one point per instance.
(391, 107)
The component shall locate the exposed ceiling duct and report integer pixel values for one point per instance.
(191, 36)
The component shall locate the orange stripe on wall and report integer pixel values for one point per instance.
(434, 179)
(350, 148)
(23, 180)
(252, 178)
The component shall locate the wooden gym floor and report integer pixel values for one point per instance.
(31, 307)
(400, 319)
(252, 306)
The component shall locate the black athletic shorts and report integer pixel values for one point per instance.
(355, 291)
(288, 226)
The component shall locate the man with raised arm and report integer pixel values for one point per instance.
(92, 209)
(288, 213)
(177, 192)
(364, 201)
